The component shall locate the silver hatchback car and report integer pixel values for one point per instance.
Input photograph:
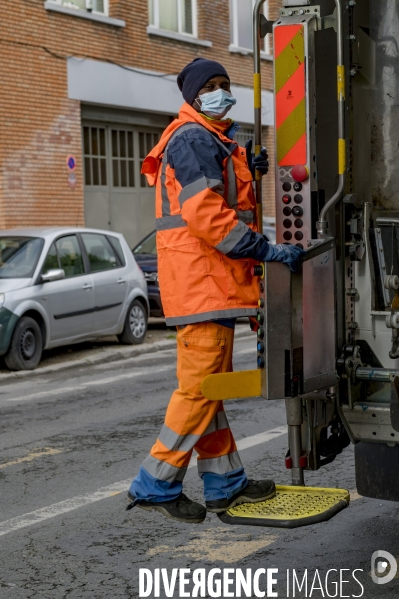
(65, 285)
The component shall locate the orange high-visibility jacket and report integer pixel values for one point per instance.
(205, 221)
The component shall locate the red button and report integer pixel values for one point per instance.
(299, 172)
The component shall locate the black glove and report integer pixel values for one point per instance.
(259, 162)
(291, 255)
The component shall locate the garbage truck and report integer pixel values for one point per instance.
(328, 337)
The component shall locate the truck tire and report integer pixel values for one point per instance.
(135, 324)
(26, 345)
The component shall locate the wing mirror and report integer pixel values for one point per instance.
(56, 274)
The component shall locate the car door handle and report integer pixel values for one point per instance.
(87, 286)
(120, 281)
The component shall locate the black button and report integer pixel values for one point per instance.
(298, 222)
(261, 287)
(298, 198)
(298, 235)
(287, 211)
(287, 235)
(297, 186)
(287, 223)
(297, 211)
(286, 199)
(299, 245)
(287, 186)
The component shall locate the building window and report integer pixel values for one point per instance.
(243, 135)
(94, 154)
(179, 16)
(241, 17)
(113, 156)
(95, 6)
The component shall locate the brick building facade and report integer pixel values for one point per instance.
(97, 88)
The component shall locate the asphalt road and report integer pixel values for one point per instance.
(72, 441)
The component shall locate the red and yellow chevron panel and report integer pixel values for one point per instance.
(290, 90)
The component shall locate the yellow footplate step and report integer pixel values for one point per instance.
(291, 507)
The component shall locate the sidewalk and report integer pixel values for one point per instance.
(106, 349)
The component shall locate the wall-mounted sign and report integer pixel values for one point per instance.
(72, 180)
(71, 163)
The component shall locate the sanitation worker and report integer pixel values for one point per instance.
(207, 241)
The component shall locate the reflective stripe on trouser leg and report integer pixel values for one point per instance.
(221, 471)
(202, 349)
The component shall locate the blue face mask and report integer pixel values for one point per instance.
(216, 103)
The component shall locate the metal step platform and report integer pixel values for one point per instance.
(290, 508)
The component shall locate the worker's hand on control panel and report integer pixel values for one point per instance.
(291, 255)
(259, 162)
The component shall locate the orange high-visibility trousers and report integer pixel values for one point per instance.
(194, 422)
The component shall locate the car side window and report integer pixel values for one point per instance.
(70, 256)
(100, 252)
(51, 261)
(117, 246)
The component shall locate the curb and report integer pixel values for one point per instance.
(102, 357)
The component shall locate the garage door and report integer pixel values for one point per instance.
(117, 196)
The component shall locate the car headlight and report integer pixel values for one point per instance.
(2, 299)
(151, 277)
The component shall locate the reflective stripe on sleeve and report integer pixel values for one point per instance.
(232, 238)
(221, 465)
(175, 442)
(246, 216)
(174, 221)
(163, 470)
(192, 189)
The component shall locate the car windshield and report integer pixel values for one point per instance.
(19, 256)
(147, 246)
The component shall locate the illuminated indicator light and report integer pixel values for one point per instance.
(261, 303)
(261, 347)
(260, 318)
(299, 172)
(261, 332)
(286, 198)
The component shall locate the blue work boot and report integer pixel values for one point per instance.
(181, 509)
(256, 490)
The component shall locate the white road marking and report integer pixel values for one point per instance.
(81, 387)
(68, 505)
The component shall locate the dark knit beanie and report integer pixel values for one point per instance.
(194, 76)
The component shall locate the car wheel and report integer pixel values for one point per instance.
(26, 346)
(135, 324)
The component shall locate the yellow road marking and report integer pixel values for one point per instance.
(32, 456)
(217, 545)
